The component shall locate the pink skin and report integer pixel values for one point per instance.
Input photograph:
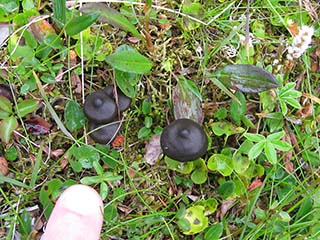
(77, 215)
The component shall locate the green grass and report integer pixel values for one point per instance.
(181, 39)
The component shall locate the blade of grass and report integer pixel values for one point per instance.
(36, 167)
(224, 89)
(51, 110)
(13, 182)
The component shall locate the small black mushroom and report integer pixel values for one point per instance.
(99, 107)
(123, 101)
(103, 134)
(184, 140)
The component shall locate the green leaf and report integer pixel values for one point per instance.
(99, 169)
(210, 205)
(270, 152)
(240, 164)
(91, 180)
(256, 150)
(7, 126)
(144, 132)
(246, 78)
(192, 86)
(200, 173)
(11, 154)
(146, 107)
(214, 232)
(110, 213)
(275, 136)
(4, 114)
(220, 128)
(86, 155)
(148, 122)
(50, 191)
(237, 110)
(129, 61)
(304, 210)
(110, 177)
(126, 82)
(74, 116)
(59, 12)
(104, 190)
(281, 145)
(111, 16)
(80, 23)
(5, 105)
(226, 189)
(221, 163)
(254, 137)
(196, 218)
(292, 102)
(75, 165)
(27, 106)
(182, 167)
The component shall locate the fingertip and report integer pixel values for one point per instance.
(77, 215)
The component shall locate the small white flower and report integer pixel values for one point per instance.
(289, 57)
(306, 31)
(300, 42)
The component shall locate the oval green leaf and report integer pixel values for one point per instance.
(111, 16)
(247, 78)
(200, 173)
(221, 163)
(7, 126)
(129, 61)
(27, 106)
(5, 105)
(74, 116)
(80, 23)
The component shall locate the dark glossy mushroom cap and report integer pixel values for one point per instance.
(104, 134)
(184, 140)
(99, 107)
(123, 100)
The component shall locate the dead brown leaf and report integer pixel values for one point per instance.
(254, 184)
(153, 150)
(305, 111)
(4, 166)
(64, 162)
(224, 208)
(41, 29)
(37, 126)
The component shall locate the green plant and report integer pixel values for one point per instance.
(267, 144)
(103, 178)
(10, 115)
(147, 130)
(287, 95)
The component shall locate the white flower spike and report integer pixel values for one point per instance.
(300, 42)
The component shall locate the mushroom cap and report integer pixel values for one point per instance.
(184, 140)
(104, 134)
(99, 107)
(123, 101)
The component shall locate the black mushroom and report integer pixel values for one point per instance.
(184, 140)
(123, 101)
(103, 134)
(99, 107)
